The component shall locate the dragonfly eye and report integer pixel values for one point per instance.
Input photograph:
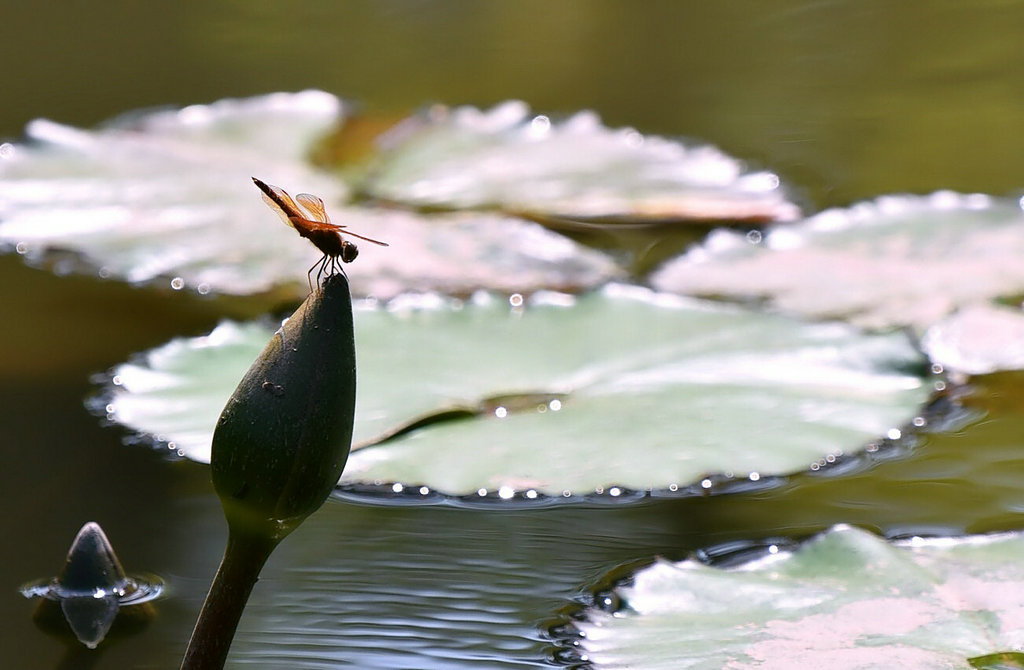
(349, 252)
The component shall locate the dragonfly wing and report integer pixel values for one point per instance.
(279, 201)
(280, 212)
(315, 206)
(294, 213)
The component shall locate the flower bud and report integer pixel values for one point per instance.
(92, 595)
(284, 436)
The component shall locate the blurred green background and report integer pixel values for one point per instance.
(845, 99)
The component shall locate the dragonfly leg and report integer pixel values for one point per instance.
(319, 266)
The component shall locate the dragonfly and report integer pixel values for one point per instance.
(308, 217)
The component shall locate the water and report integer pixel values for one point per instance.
(845, 100)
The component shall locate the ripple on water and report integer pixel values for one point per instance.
(399, 588)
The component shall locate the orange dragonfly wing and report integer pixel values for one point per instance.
(279, 201)
(290, 211)
(315, 206)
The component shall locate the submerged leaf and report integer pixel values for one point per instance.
(894, 261)
(657, 392)
(509, 159)
(845, 599)
(168, 195)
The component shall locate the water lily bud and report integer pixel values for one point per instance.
(92, 594)
(284, 436)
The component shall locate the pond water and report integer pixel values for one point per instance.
(845, 100)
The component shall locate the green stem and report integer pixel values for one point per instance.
(238, 573)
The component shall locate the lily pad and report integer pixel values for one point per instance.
(167, 195)
(894, 261)
(978, 339)
(845, 599)
(625, 389)
(510, 159)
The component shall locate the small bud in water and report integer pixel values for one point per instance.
(92, 591)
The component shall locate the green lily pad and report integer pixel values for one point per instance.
(978, 339)
(167, 196)
(894, 261)
(845, 599)
(509, 159)
(623, 388)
